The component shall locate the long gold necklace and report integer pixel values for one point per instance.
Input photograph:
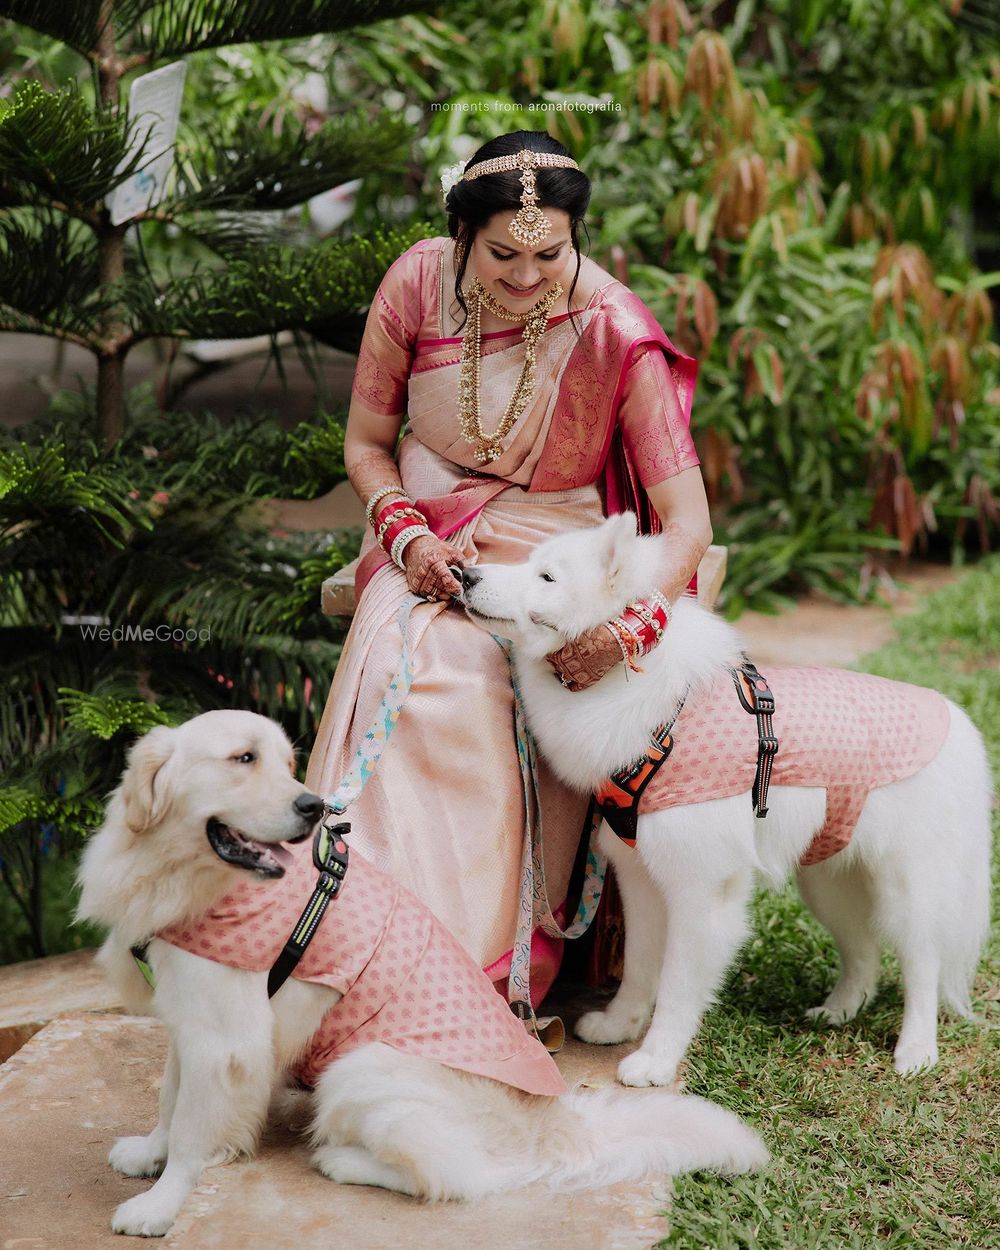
(489, 446)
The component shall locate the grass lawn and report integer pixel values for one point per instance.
(861, 1157)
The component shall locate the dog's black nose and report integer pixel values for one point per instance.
(470, 577)
(309, 805)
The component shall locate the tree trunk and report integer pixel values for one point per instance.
(110, 257)
(110, 397)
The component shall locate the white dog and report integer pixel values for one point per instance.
(201, 815)
(915, 875)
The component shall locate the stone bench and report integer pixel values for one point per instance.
(34, 992)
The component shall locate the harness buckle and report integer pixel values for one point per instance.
(767, 744)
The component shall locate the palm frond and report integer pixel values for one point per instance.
(104, 715)
(75, 816)
(53, 146)
(173, 27)
(36, 482)
(255, 168)
(76, 24)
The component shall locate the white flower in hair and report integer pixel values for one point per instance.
(450, 176)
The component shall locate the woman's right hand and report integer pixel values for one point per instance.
(425, 562)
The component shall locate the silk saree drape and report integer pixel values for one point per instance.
(610, 415)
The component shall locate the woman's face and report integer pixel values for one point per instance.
(519, 276)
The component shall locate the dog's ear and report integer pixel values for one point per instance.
(146, 783)
(619, 534)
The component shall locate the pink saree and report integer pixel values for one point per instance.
(443, 813)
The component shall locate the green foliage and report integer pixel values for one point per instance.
(103, 716)
(63, 151)
(163, 28)
(861, 1158)
(255, 167)
(322, 288)
(143, 585)
(53, 146)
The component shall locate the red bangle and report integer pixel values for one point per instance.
(394, 505)
(646, 621)
(397, 527)
(627, 641)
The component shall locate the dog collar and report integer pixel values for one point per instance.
(330, 854)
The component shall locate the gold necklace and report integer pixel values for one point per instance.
(489, 446)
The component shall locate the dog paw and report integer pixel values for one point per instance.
(606, 1028)
(840, 1006)
(137, 1156)
(828, 1015)
(141, 1218)
(350, 1165)
(644, 1068)
(914, 1057)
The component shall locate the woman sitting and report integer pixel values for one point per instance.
(540, 395)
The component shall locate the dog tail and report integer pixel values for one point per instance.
(968, 920)
(600, 1137)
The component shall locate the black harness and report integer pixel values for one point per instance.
(617, 799)
(329, 853)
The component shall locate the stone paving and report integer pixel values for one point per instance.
(85, 1079)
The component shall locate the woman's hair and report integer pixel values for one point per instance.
(471, 204)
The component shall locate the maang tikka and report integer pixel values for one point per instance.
(529, 225)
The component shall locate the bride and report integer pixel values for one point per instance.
(539, 395)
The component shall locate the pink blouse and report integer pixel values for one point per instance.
(405, 316)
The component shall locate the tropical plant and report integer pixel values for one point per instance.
(69, 271)
(143, 585)
(849, 392)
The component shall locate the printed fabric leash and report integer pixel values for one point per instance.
(330, 851)
(374, 742)
(533, 901)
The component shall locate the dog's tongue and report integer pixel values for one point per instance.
(269, 859)
(280, 852)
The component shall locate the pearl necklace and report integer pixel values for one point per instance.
(489, 446)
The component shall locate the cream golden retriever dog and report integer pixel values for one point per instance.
(210, 804)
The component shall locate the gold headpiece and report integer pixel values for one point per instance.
(530, 225)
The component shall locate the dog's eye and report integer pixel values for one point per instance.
(247, 757)
(546, 577)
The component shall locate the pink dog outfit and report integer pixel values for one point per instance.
(847, 732)
(404, 979)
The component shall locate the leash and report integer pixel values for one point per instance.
(374, 741)
(534, 907)
(329, 848)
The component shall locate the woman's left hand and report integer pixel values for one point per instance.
(584, 661)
